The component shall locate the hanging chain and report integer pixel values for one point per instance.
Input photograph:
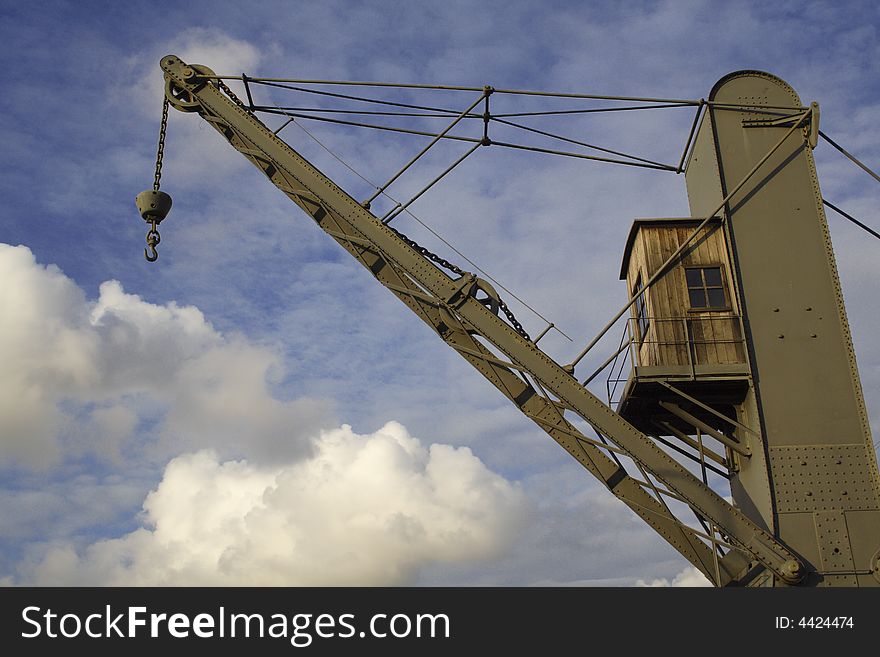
(443, 262)
(154, 216)
(161, 152)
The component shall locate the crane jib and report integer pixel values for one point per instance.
(541, 388)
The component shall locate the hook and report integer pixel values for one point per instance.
(153, 239)
(153, 207)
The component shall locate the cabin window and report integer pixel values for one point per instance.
(642, 319)
(705, 287)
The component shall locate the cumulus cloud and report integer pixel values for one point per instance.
(45, 355)
(689, 577)
(363, 510)
(89, 377)
(248, 494)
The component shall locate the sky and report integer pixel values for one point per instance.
(254, 408)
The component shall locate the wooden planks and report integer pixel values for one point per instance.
(679, 336)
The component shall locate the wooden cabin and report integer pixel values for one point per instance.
(686, 328)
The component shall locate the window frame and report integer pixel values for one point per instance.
(727, 307)
(643, 320)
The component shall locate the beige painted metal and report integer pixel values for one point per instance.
(813, 479)
(541, 388)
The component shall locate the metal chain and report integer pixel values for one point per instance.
(513, 320)
(225, 89)
(161, 152)
(443, 262)
(433, 257)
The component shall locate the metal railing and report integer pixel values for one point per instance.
(676, 342)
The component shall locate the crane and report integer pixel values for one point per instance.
(743, 543)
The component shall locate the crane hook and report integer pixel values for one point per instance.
(152, 255)
(153, 239)
(153, 206)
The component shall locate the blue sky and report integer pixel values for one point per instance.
(162, 420)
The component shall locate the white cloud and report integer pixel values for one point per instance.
(689, 577)
(86, 377)
(45, 355)
(133, 384)
(364, 510)
(199, 45)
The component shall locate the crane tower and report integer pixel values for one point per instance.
(746, 338)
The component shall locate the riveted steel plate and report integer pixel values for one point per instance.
(834, 545)
(821, 478)
(758, 102)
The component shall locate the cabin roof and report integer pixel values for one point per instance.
(654, 221)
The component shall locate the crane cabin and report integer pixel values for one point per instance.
(685, 330)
